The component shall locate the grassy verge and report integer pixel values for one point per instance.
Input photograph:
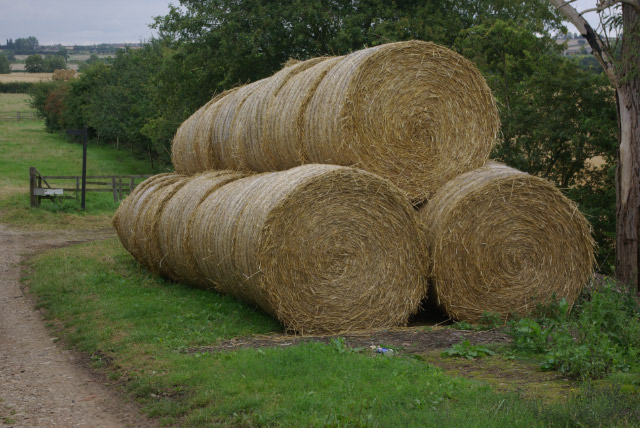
(26, 143)
(137, 328)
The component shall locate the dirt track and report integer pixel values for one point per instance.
(41, 384)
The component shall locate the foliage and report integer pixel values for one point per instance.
(38, 64)
(467, 350)
(93, 59)
(15, 87)
(34, 64)
(600, 335)
(5, 67)
(23, 45)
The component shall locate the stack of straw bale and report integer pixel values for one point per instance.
(413, 112)
(503, 241)
(328, 248)
(323, 248)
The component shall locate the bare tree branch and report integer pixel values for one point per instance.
(566, 3)
(598, 46)
(605, 4)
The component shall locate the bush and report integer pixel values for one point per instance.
(601, 335)
(47, 98)
(15, 87)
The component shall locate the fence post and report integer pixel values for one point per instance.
(115, 189)
(131, 185)
(32, 186)
(77, 186)
(18, 116)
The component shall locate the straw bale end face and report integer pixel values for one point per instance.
(503, 241)
(342, 252)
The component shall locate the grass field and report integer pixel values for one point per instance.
(24, 77)
(24, 144)
(14, 102)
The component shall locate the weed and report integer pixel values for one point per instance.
(467, 350)
(601, 334)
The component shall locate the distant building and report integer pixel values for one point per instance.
(574, 44)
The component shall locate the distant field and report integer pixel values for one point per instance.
(21, 67)
(24, 77)
(85, 56)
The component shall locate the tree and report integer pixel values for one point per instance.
(34, 64)
(63, 53)
(5, 67)
(26, 45)
(623, 71)
(53, 62)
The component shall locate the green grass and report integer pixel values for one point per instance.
(25, 144)
(138, 327)
(13, 103)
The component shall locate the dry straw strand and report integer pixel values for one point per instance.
(503, 241)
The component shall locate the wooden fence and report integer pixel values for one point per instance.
(17, 115)
(61, 186)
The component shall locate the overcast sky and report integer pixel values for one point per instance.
(71, 22)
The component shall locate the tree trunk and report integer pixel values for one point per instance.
(628, 189)
(628, 172)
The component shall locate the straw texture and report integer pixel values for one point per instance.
(503, 241)
(175, 238)
(413, 112)
(323, 248)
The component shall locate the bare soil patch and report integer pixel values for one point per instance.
(409, 340)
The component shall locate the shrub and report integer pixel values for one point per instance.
(15, 87)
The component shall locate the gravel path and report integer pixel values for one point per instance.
(41, 384)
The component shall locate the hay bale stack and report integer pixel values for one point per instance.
(175, 223)
(323, 248)
(413, 112)
(502, 241)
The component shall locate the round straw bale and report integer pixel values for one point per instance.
(222, 117)
(283, 129)
(323, 248)
(248, 130)
(146, 234)
(124, 220)
(185, 145)
(174, 228)
(503, 241)
(414, 112)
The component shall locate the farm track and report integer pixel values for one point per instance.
(43, 384)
